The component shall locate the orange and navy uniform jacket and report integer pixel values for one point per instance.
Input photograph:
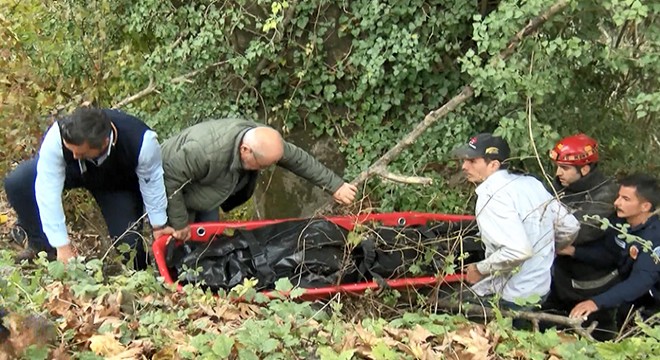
(640, 268)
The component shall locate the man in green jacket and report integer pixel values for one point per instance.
(215, 165)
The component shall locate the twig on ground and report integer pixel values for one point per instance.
(535, 317)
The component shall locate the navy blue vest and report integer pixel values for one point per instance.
(117, 172)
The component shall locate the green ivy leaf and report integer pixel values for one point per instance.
(222, 346)
(247, 354)
(382, 352)
(326, 353)
(86, 355)
(269, 345)
(297, 292)
(261, 298)
(283, 285)
(57, 270)
(37, 353)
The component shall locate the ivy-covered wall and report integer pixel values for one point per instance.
(363, 72)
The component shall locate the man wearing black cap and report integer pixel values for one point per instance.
(519, 222)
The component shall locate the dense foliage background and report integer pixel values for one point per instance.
(360, 72)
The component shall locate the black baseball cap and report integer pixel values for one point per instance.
(485, 146)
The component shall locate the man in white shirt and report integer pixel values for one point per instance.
(519, 221)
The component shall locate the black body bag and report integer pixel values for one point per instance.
(392, 252)
(314, 253)
(308, 252)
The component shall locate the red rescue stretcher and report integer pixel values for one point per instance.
(203, 232)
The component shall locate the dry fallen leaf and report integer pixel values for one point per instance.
(59, 299)
(227, 313)
(166, 353)
(248, 311)
(419, 335)
(349, 341)
(471, 342)
(105, 345)
(60, 353)
(367, 337)
(29, 330)
(130, 354)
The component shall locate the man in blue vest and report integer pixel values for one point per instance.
(113, 155)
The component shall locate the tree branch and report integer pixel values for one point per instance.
(152, 87)
(466, 93)
(404, 179)
(146, 91)
(535, 317)
(531, 27)
(621, 32)
(188, 76)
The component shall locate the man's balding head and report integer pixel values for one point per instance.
(261, 147)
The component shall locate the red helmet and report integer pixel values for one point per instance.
(576, 150)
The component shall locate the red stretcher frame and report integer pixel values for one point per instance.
(205, 231)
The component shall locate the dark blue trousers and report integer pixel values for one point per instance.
(120, 209)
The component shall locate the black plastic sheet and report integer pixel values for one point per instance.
(316, 253)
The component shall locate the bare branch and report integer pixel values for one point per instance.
(403, 179)
(531, 27)
(187, 77)
(146, 91)
(621, 32)
(535, 317)
(152, 87)
(261, 66)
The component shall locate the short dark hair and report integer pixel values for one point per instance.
(86, 125)
(646, 187)
(504, 165)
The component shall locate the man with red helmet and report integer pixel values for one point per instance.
(587, 191)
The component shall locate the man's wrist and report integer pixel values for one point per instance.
(158, 227)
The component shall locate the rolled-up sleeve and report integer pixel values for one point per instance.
(48, 186)
(150, 177)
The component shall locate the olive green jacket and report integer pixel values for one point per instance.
(202, 167)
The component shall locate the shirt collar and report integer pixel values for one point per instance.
(492, 179)
(99, 160)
